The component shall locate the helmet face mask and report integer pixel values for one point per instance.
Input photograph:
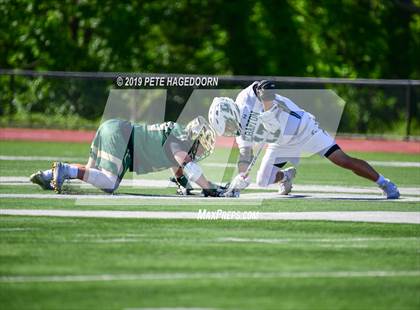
(232, 128)
(203, 138)
(224, 117)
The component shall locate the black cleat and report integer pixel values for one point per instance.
(39, 179)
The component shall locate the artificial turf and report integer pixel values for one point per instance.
(206, 263)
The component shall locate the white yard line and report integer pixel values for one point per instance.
(315, 240)
(347, 216)
(327, 196)
(116, 240)
(173, 200)
(375, 163)
(43, 158)
(297, 188)
(402, 164)
(378, 163)
(17, 229)
(103, 200)
(337, 242)
(210, 275)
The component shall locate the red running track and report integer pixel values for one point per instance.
(355, 145)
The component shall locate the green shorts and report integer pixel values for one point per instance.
(110, 149)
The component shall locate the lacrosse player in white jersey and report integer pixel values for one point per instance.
(261, 116)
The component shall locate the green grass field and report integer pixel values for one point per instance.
(86, 263)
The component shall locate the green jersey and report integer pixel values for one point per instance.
(150, 151)
(119, 145)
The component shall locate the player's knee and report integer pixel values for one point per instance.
(108, 190)
(111, 190)
(103, 180)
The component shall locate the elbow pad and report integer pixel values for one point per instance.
(193, 171)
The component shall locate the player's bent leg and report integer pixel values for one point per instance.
(267, 173)
(91, 163)
(270, 173)
(363, 169)
(101, 179)
(283, 177)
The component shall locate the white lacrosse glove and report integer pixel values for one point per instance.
(241, 181)
(269, 119)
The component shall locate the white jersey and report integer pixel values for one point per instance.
(294, 121)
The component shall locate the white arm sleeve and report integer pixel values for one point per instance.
(193, 171)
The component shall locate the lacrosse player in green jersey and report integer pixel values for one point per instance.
(119, 146)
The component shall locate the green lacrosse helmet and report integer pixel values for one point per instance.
(201, 134)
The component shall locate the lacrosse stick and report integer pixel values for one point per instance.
(260, 147)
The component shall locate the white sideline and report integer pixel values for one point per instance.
(42, 158)
(297, 188)
(210, 275)
(346, 216)
(173, 200)
(379, 163)
(316, 240)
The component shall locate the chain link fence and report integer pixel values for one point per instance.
(76, 100)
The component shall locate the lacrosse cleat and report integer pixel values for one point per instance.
(40, 179)
(286, 186)
(390, 190)
(60, 172)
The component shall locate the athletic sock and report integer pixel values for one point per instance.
(183, 181)
(72, 171)
(381, 180)
(47, 174)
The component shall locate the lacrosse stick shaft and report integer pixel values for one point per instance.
(248, 170)
(254, 159)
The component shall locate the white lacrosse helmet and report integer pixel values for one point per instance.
(201, 133)
(224, 117)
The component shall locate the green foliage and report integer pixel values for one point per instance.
(373, 110)
(357, 39)
(54, 121)
(372, 39)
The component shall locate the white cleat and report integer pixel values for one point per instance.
(390, 190)
(286, 186)
(60, 172)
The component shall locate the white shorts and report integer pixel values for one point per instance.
(313, 141)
